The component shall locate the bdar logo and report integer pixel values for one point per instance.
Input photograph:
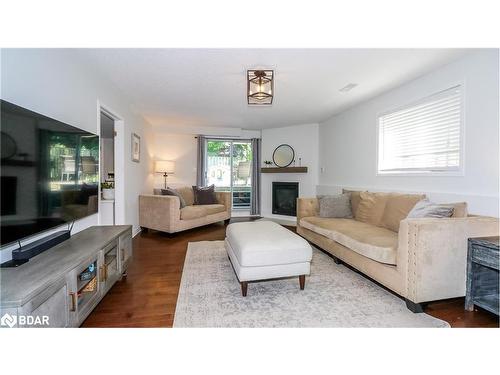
(8, 320)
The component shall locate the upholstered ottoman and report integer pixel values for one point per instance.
(262, 250)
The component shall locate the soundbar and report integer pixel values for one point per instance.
(25, 253)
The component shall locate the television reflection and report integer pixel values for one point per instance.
(49, 173)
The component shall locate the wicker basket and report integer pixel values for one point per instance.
(91, 286)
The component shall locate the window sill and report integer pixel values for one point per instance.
(422, 174)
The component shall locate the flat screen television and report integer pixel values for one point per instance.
(49, 173)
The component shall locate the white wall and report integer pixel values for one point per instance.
(181, 148)
(348, 140)
(57, 84)
(304, 140)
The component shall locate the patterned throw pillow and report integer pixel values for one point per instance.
(204, 195)
(338, 206)
(425, 208)
(175, 193)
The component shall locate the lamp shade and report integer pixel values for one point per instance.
(165, 166)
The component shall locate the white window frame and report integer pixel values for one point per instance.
(405, 173)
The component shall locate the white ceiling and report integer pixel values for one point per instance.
(207, 87)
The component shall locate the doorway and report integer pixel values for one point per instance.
(111, 129)
(107, 170)
(229, 168)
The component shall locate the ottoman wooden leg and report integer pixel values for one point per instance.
(244, 286)
(302, 281)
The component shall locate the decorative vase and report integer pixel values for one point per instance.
(108, 194)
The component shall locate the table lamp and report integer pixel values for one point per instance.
(166, 167)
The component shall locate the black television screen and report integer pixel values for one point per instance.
(49, 173)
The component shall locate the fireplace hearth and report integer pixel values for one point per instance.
(285, 196)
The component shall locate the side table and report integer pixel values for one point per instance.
(482, 274)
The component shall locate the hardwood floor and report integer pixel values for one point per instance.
(148, 295)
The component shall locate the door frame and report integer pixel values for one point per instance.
(231, 141)
(119, 155)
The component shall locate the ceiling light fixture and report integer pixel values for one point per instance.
(260, 87)
(348, 87)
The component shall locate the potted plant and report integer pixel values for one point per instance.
(108, 191)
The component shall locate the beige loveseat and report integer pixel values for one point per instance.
(163, 212)
(420, 259)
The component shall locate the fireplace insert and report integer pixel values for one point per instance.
(285, 196)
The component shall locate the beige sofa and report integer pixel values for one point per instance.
(163, 212)
(420, 259)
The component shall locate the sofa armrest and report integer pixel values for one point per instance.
(435, 252)
(159, 212)
(307, 207)
(224, 197)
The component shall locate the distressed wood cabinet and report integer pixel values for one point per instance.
(52, 302)
(67, 282)
(109, 267)
(125, 244)
(483, 274)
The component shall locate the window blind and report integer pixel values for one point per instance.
(423, 137)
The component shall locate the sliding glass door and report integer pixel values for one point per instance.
(229, 168)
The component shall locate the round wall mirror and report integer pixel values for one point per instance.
(9, 147)
(283, 155)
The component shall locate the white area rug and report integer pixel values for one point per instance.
(334, 296)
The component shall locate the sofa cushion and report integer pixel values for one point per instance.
(373, 242)
(397, 208)
(355, 199)
(371, 207)
(211, 209)
(187, 193)
(193, 212)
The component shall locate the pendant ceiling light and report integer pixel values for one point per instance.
(260, 87)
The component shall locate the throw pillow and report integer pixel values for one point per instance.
(355, 199)
(338, 206)
(204, 195)
(459, 209)
(397, 208)
(425, 208)
(187, 194)
(371, 207)
(175, 193)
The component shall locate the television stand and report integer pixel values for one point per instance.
(66, 282)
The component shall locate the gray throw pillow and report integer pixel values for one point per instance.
(204, 195)
(425, 208)
(338, 206)
(175, 193)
